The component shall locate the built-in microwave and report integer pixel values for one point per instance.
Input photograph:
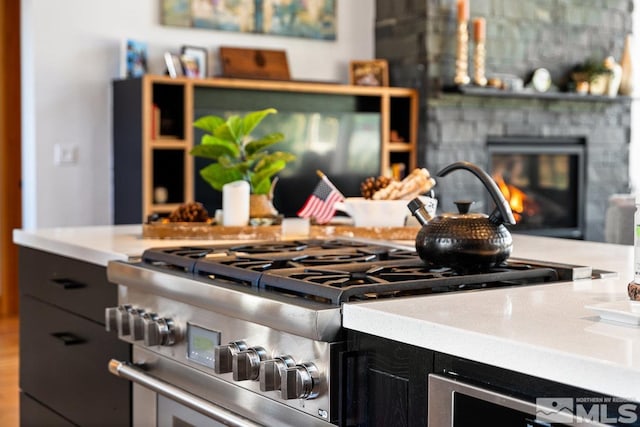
(454, 403)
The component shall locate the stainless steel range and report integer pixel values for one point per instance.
(251, 334)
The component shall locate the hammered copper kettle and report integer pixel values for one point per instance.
(464, 241)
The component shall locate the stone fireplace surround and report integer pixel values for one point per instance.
(459, 126)
(417, 38)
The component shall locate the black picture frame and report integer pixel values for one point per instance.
(200, 55)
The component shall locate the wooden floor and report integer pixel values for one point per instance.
(9, 413)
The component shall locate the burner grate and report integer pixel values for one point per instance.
(337, 271)
(338, 285)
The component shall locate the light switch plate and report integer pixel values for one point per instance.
(65, 154)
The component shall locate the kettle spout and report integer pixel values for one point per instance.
(418, 210)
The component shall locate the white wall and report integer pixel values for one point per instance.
(70, 54)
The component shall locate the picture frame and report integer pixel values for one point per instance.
(190, 66)
(373, 72)
(174, 65)
(199, 54)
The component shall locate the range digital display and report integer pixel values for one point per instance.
(200, 345)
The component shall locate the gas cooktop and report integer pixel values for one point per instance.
(341, 270)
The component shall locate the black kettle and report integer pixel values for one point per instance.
(465, 242)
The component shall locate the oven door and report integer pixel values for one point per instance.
(167, 393)
(456, 404)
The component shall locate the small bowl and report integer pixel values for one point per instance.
(375, 213)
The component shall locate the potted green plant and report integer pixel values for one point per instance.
(595, 73)
(236, 155)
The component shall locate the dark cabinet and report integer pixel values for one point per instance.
(64, 349)
(395, 386)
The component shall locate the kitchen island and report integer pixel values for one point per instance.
(543, 331)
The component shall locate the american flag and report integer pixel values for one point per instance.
(320, 203)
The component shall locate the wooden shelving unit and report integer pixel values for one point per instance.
(153, 133)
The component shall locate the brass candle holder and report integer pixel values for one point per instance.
(462, 55)
(479, 56)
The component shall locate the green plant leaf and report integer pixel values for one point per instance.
(275, 158)
(213, 148)
(223, 132)
(264, 142)
(253, 119)
(261, 180)
(235, 156)
(209, 123)
(216, 175)
(261, 187)
(235, 126)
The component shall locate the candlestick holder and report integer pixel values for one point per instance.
(462, 55)
(479, 56)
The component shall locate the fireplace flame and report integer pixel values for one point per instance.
(516, 197)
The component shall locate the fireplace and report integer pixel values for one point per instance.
(543, 178)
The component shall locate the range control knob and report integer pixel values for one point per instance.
(161, 331)
(271, 371)
(111, 319)
(245, 364)
(122, 320)
(300, 382)
(136, 324)
(223, 356)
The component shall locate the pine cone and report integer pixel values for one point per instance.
(189, 212)
(372, 184)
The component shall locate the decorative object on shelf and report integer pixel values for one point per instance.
(592, 72)
(615, 78)
(236, 155)
(197, 54)
(626, 80)
(263, 64)
(369, 73)
(479, 54)
(310, 19)
(462, 48)
(541, 80)
(174, 65)
(134, 59)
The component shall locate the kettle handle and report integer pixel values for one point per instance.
(502, 213)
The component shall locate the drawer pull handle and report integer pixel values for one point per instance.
(68, 283)
(68, 338)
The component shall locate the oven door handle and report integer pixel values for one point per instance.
(136, 375)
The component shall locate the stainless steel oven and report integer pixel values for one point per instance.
(456, 403)
(251, 334)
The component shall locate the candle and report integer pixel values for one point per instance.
(463, 10)
(479, 30)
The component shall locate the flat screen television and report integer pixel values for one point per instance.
(345, 146)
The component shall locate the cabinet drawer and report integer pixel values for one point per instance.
(63, 364)
(74, 285)
(32, 413)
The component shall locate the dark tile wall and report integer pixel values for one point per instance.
(418, 40)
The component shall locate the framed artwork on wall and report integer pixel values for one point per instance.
(369, 73)
(292, 18)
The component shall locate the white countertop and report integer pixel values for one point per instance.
(95, 244)
(541, 330)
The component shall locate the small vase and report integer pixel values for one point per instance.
(598, 84)
(626, 81)
(261, 206)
